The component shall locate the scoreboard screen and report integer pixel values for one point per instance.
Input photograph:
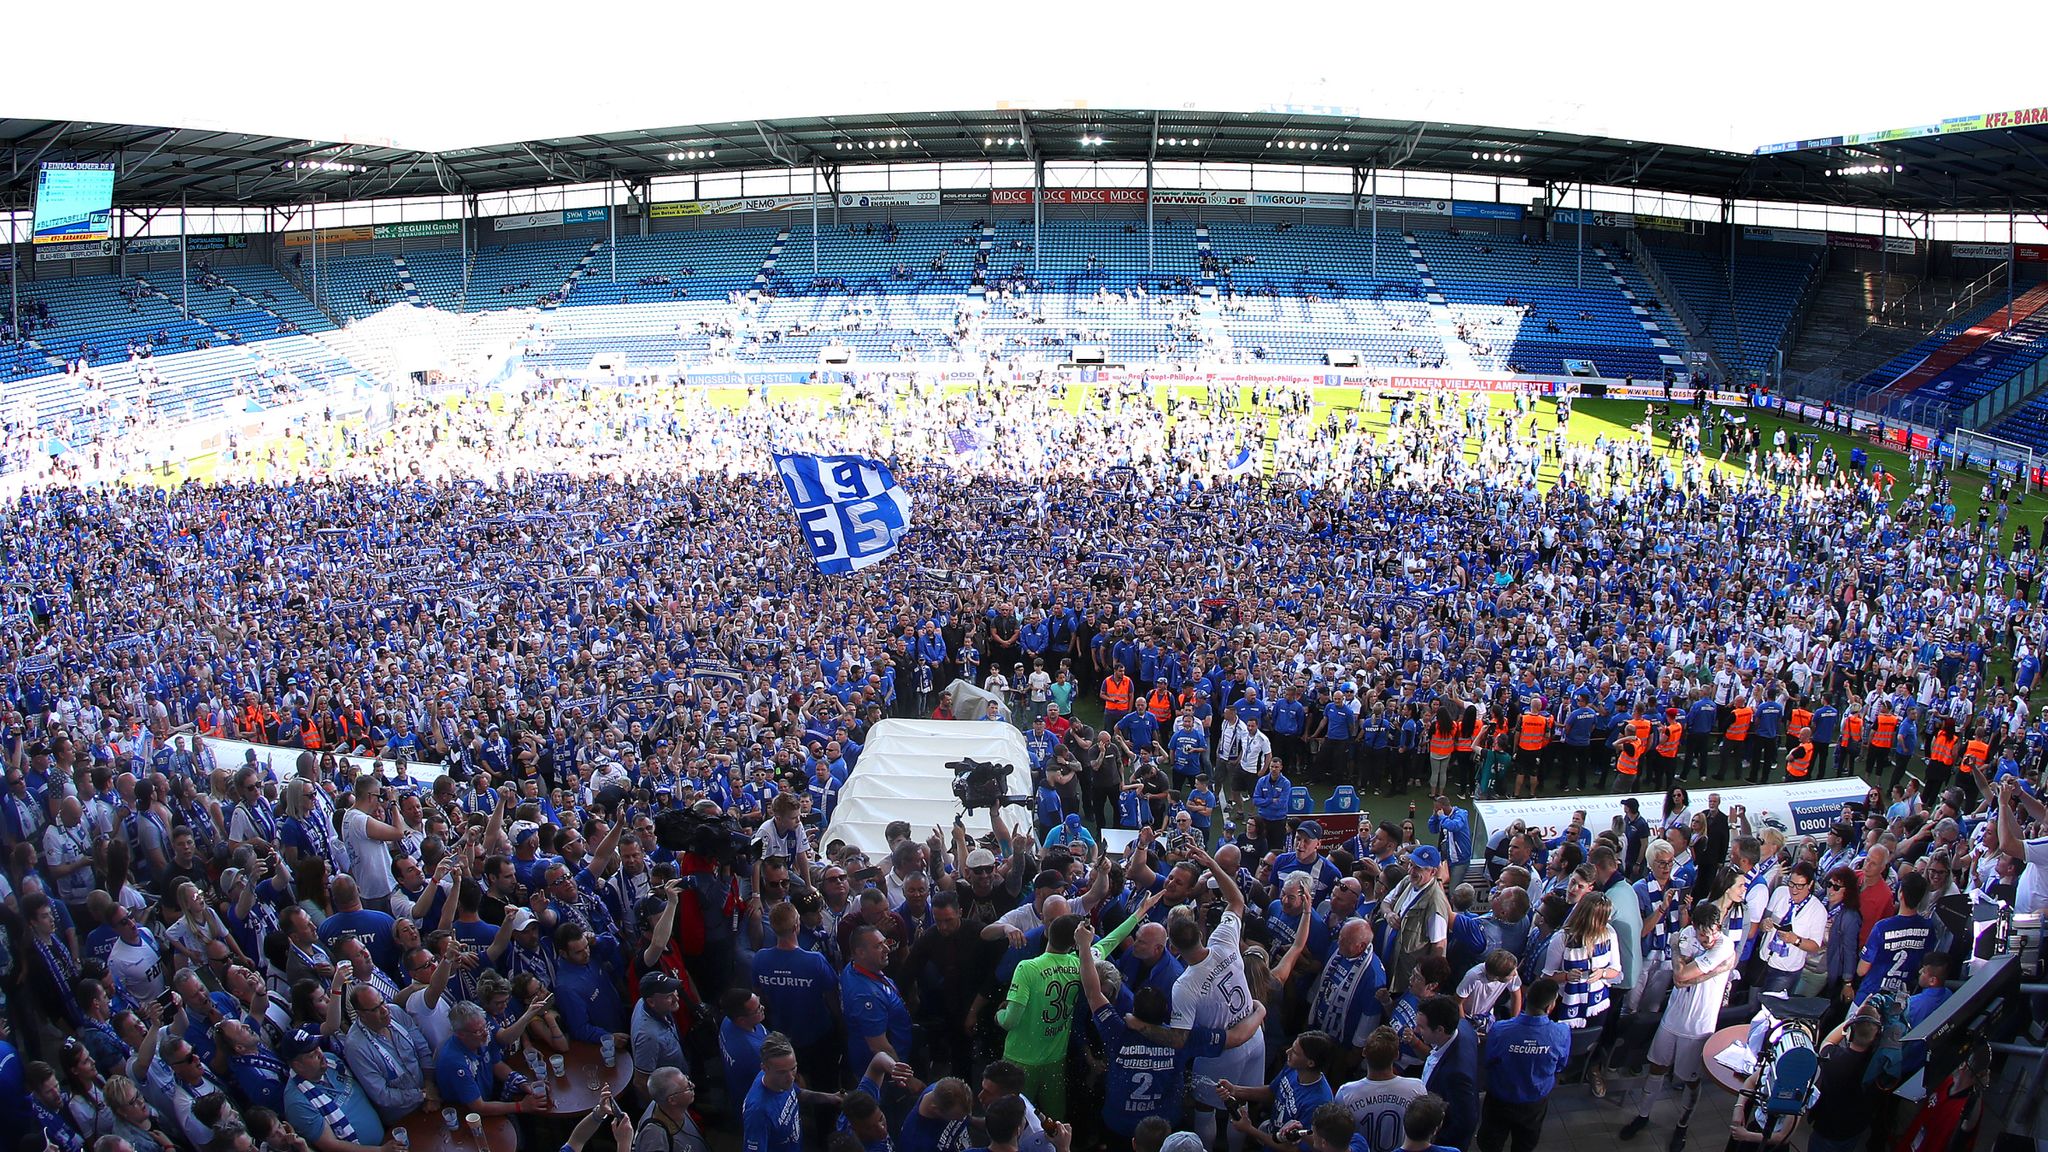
(74, 202)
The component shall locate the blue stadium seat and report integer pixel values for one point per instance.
(1344, 798)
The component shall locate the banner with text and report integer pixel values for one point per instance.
(192, 243)
(1594, 219)
(1068, 196)
(888, 199)
(87, 250)
(1798, 808)
(357, 234)
(1980, 251)
(422, 228)
(552, 219)
(1482, 210)
(678, 208)
(2035, 253)
(1786, 236)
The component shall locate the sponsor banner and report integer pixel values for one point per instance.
(2035, 253)
(1594, 219)
(360, 234)
(86, 251)
(1662, 223)
(219, 243)
(1786, 236)
(527, 220)
(1980, 251)
(1797, 808)
(1412, 205)
(678, 208)
(963, 196)
(422, 228)
(1480, 210)
(1198, 198)
(888, 199)
(1069, 196)
(549, 219)
(1853, 241)
(757, 204)
(1302, 200)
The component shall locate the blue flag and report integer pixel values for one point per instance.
(850, 508)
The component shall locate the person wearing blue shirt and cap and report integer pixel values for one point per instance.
(323, 1102)
(1069, 831)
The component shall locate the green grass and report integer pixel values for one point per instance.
(1591, 419)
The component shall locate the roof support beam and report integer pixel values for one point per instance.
(1030, 142)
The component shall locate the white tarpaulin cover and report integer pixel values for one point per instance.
(902, 775)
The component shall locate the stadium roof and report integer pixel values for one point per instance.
(1989, 171)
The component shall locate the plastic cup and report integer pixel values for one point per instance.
(609, 1049)
(476, 1124)
(450, 1118)
(558, 1065)
(403, 1137)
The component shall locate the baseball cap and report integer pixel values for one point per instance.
(522, 919)
(1631, 803)
(1309, 828)
(659, 983)
(1073, 819)
(1426, 857)
(298, 1044)
(981, 858)
(230, 877)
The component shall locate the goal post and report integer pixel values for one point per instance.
(1964, 448)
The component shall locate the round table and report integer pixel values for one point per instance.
(1735, 1035)
(570, 1094)
(429, 1133)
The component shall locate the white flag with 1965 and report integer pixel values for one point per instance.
(850, 508)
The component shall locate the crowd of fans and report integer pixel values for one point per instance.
(509, 643)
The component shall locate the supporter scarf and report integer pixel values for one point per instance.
(63, 971)
(323, 1102)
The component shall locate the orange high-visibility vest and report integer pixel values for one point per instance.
(1852, 729)
(1976, 754)
(1801, 718)
(1535, 731)
(1642, 730)
(1630, 751)
(1942, 750)
(1738, 727)
(1799, 759)
(1882, 731)
(1161, 705)
(1442, 740)
(1673, 736)
(1116, 693)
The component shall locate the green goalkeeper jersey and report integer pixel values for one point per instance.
(1045, 992)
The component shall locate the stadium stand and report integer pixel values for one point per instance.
(1745, 315)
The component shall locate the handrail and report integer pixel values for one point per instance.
(1818, 386)
(1696, 337)
(305, 289)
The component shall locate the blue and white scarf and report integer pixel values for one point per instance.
(323, 1102)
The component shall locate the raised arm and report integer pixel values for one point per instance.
(1233, 896)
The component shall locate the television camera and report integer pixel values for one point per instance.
(978, 784)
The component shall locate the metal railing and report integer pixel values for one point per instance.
(1828, 383)
(1696, 337)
